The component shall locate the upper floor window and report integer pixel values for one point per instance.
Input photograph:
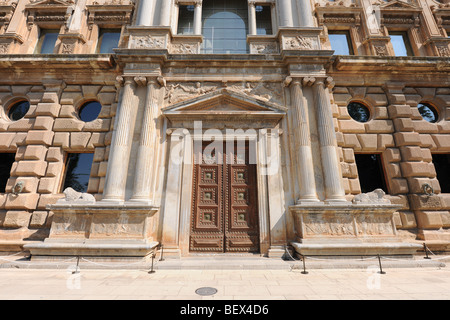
(340, 42)
(186, 19)
(224, 26)
(78, 171)
(263, 19)
(47, 41)
(108, 40)
(6, 162)
(400, 44)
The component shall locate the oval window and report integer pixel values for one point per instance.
(19, 110)
(428, 112)
(90, 111)
(358, 112)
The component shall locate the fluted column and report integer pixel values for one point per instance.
(285, 9)
(145, 13)
(327, 137)
(198, 17)
(116, 176)
(143, 178)
(252, 18)
(164, 19)
(305, 13)
(302, 145)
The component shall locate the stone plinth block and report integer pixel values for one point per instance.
(361, 228)
(88, 228)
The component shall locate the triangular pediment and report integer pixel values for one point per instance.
(398, 4)
(224, 101)
(49, 3)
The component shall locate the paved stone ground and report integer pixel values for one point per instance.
(265, 283)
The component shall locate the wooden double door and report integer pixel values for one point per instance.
(224, 204)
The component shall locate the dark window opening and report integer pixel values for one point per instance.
(90, 111)
(340, 42)
(47, 41)
(186, 20)
(19, 110)
(442, 166)
(428, 112)
(108, 40)
(78, 171)
(400, 44)
(263, 20)
(370, 172)
(358, 112)
(6, 162)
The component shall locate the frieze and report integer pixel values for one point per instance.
(300, 43)
(180, 92)
(263, 48)
(184, 48)
(147, 42)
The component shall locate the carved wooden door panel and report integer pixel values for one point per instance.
(224, 213)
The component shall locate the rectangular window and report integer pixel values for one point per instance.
(47, 41)
(370, 172)
(442, 166)
(6, 162)
(400, 43)
(263, 20)
(186, 20)
(78, 171)
(108, 40)
(340, 42)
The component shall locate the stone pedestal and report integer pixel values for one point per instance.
(349, 229)
(86, 228)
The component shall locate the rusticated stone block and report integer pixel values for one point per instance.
(408, 220)
(22, 125)
(48, 109)
(98, 125)
(2, 217)
(379, 126)
(39, 137)
(380, 113)
(385, 141)
(106, 98)
(19, 139)
(31, 168)
(29, 184)
(442, 141)
(425, 202)
(102, 169)
(23, 201)
(55, 154)
(38, 219)
(416, 184)
(426, 141)
(348, 154)
(48, 185)
(68, 125)
(444, 127)
(355, 187)
(5, 140)
(61, 139)
(429, 219)
(50, 97)
(47, 199)
(426, 155)
(398, 186)
(2, 201)
(392, 155)
(399, 111)
(97, 140)
(54, 169)
(369, 142)
(411, 153)
(43, 123)
(403, 124)
(17, 219)
(393, 170)
(93, 185)
(351, 126)
(423, 126)
(445, 217)
(79, 140)
(35, 152)
(417, 169)
(407, 139)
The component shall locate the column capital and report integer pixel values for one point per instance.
(198, 3)
(309, 81)
(140, 81)
(251, 3)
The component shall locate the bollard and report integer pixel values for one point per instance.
(304, 267)
(426, 251)
(76, 268)
(162, 251)
(153, 258)
(381, 269)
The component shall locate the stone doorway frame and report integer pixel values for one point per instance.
(176, 204)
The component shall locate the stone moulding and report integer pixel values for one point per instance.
(348, 229)
(99, 229)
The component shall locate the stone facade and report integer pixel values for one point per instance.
(289, 94)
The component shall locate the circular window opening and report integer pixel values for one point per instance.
(18, 110)
(358, 112)
(90, 111)
(428, 112)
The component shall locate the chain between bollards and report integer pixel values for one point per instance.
(76, 268)
(426, 251)
(162, 251)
